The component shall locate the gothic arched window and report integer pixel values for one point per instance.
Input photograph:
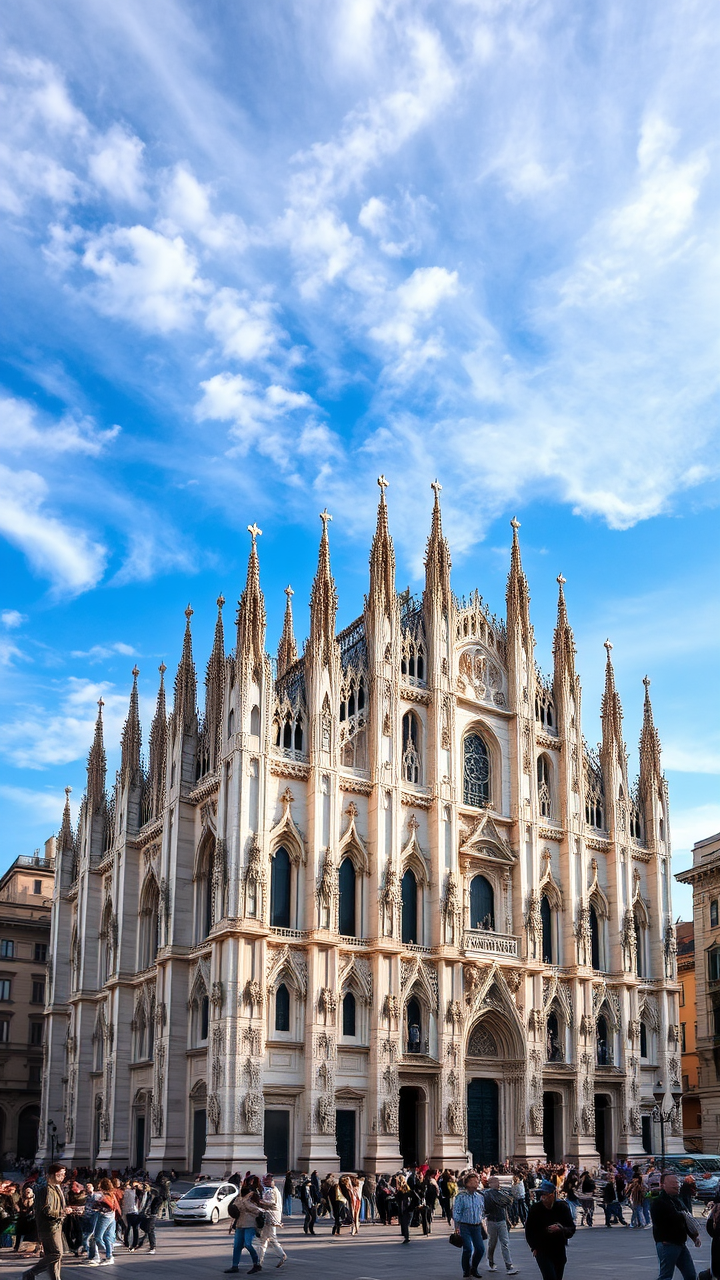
(414, 1026)
(346, 880)
(476, 771)
(547, 930)
(640, 940)
(280, 890)
(411, 747)
(603, 1048)
(543, 779)
(348, 1014)
(203, 896)
(643, 1041)
(554, 1048)
(149, 921)
(204, 1018)
(282, 1008)
(409, 907)
(594, 938)
(255, 721)
(482, 904)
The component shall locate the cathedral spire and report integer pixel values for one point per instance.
(323, 601)
(650, 766)
(131, 737)
(66, 839)
(158, 748)
(611, 710)
(517, 594)
(97, 766)
(437, 557)
(563, 643)
(185, 702)
(287, 648)
(214, 690)
(382, 560)
(251, 612)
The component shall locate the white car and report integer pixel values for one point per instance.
(205, 1202)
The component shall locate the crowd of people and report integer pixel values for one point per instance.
(91, 1213)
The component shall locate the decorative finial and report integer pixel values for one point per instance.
(561, 580)
(515, 523)
(68, 791)
(436, 488)
(189, 613)
(162, 669)
(383, 484)
(325, 516)
(220, 600)
(254, 532)
(101, 704)
(647, 682)
(608, 647)
(136, 671)
(289, 592)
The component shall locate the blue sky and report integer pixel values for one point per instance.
(254, 255)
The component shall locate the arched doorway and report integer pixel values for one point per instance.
(602, 1127)
(552, 1127)
(28, 1122)
(483, 1121)
(412, 1125)
(198, 1112)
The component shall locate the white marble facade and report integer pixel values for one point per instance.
(375, 902)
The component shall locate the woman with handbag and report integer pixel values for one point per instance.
(407, 1202)
(246, 1216)
(338, 1204)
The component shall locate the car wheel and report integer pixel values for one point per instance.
(215, 1215)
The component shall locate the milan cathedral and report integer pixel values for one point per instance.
(374, 904)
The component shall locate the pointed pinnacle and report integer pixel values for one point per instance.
(383, 485)
(220, 600)
(254, 532)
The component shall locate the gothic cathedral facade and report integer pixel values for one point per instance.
(378, 903)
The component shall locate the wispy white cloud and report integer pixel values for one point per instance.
(67, 555)
(117, 165)
(46, 804)
(186, 207)
(39, 739)
(21, 431)
(100, 652)
(247, 330)
(12, 618)
(144, 277)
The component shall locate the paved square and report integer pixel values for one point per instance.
(376, 1254)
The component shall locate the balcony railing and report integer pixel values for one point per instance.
(488, 942)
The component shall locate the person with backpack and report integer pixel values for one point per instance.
(246, 1216)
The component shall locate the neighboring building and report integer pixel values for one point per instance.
(704, 876)
(378, 903)
(25, 905)
(692, 1117)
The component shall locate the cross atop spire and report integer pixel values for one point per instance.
(131, 737)
(515, 524)
(287, 648)
(608, 647)
(323, 600)
(517, 594)
(186, 681)
(563, 642)
(437, 558)
(97, 766)
(382, 597)
(251, 613)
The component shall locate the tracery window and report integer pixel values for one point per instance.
(282, 1008)
(414, 1026)
(643, 1040)
(546, 916)
(641, 945)
(635, 823)
(543, 779)
(412, 660)
(409, 895)
(280, 877)
(288, 732)
(554, 1047)
(476, 771)
(352, 697)
(348, 1014)
(544, 710)
(347, 880)
(411, 748)
(603, 1048)
(482, 904)
(594, 938)
(149, 925)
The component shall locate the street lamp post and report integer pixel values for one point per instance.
(666, 1104)
(52, 1135)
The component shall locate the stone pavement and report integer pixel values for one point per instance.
(376, 1254)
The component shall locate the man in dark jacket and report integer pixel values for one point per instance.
(49, 1214)
(670, 1230)
(548, 1228)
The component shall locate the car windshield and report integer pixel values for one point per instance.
(690, 1164)
(200, 1193)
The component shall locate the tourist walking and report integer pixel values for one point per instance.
(309, 1203)
(407, 1202)
(337, 1202)
(271, 1206)
(130, 1215)
(548, 1228)
(671, 1230)
(287, 1194)
(368, 1196)
(103, 1229)
(148, 1209)
(468, 1212)
(497, 1203)
(49, 1214)
(244, 1210)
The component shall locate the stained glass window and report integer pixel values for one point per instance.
(476, 771)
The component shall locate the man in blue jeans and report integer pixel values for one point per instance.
(670, 1231)
(468, 1212)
